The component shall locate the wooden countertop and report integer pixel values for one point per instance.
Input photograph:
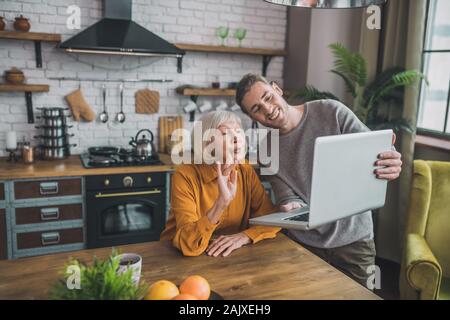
(71, 167)
(277, 269)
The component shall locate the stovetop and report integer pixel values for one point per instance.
(121, 158)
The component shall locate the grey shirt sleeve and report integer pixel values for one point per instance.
(348, 121)
(283, 193)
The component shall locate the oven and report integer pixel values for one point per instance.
(124, 209)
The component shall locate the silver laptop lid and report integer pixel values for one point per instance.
(344, 183)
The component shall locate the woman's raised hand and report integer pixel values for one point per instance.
(227, 180)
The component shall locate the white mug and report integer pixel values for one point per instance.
(222, 106)
(131, 261)
(191, 106)
(205, 107)
(235, 107)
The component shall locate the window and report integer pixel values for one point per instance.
(434, 113)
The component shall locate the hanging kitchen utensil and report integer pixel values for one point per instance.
(79, 106)
(167, 125)
(104, 115)
(147, 101)
(121, 116)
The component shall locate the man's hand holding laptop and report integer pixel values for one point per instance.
(392, 163)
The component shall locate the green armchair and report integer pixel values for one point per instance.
(425, 269)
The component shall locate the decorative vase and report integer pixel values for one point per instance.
(14, 76)
(22, 24)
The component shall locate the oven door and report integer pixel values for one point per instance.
(116, 218)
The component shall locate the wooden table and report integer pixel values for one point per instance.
(272, 269)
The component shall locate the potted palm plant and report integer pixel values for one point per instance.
(373, 102)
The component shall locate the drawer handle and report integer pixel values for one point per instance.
(50, 238)
(47, 188)
(127, 194)
(49, 214)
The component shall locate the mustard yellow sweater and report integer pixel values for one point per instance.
(195, 190)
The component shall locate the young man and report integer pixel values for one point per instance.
(348, 243)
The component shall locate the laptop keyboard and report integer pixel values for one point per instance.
(299, 218)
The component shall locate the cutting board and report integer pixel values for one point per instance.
(147, 101)
(166, 126)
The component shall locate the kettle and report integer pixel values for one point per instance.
(143, 147)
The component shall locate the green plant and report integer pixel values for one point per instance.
(373, 101)
(99, 281)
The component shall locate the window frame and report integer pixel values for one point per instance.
(424, 131)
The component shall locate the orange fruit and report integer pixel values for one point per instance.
(183, 296)
(196, 286)
(162, 290)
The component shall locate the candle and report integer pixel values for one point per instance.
(11, 141)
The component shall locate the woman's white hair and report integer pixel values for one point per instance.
(207, 125)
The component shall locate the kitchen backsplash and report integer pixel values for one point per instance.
(177, 21)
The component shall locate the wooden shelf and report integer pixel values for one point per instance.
(33, 36)
(267, 54)
(206, 92)
(28, 89)
(37, 37)
(237, 50)
(5, 87)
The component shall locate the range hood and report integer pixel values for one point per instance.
(117, 34)
(328, 4)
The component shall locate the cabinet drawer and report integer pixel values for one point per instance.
(3, 237)
(49, 214)
(47, 189)
(2, 192)
(41, 239)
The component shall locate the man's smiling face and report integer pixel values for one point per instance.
(265, 104)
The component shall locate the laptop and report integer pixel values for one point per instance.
(343, 181)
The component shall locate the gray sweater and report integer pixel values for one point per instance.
(293, 180)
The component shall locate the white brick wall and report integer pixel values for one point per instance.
(187, 21)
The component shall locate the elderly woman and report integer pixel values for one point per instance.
(212, 203)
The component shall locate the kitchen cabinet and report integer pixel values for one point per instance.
(47, 216)
(2, 192)
(46, 238)
(43, 205)
(3, 236)
(48, 213)
(47, 189)
(3, 227)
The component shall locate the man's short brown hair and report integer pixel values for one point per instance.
(245, 85)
